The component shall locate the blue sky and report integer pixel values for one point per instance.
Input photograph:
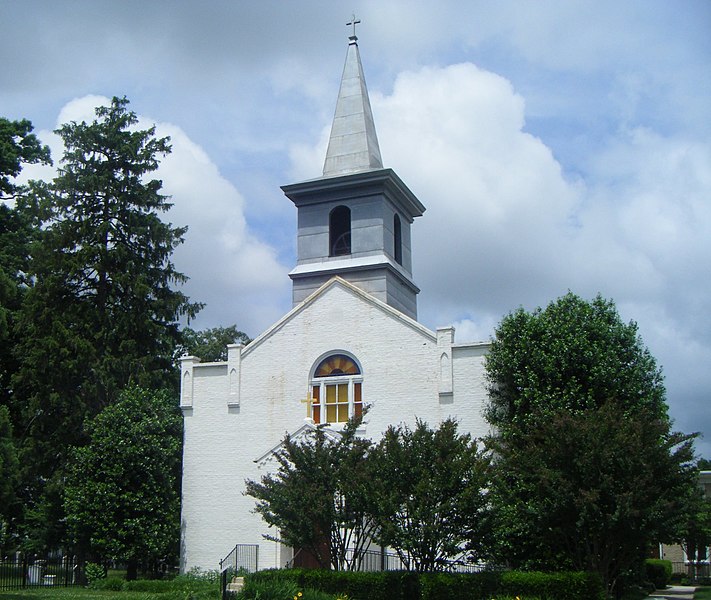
(557, 146)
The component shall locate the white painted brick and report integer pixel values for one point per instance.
(400, 360)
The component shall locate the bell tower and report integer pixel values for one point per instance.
(355, 220)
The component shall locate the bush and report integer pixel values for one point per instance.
(659, 572)
(553, 586)
(94, 572)
(112, 584)
(406, 585)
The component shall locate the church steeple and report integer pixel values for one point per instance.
(353, 145)
(354, 221)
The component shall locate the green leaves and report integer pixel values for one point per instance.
(121, 495)
(431, 493)
(100, 309)
(573, 356)
(419, 491)
(18, 146)
(588, 473)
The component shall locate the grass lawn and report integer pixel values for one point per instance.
(703, 593)
(73, 593)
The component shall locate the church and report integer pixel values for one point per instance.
(351, 340)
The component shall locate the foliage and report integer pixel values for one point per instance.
(210, 344)
(121, 495)
(703, 464)
(409, 585)
(430, 493)
(18, 146)
(573, 356)
(559, 585)
(94, 572)
(113, 583)
(318, 498)
(589, 491)
(588, 473)
(102, 311)
(658, 571)
(8, 462)
(696, 531)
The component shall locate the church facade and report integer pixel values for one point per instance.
(351, 340)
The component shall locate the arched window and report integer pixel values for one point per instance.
(397, 233)
(336, 393)
(339, 229)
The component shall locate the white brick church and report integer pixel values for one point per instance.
(351, 340)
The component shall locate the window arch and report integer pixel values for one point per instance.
(397, 233)
(336, 390)
(339, 230)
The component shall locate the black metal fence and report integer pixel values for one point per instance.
(693, 571)
(22, 571)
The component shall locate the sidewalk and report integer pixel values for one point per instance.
(675, 592)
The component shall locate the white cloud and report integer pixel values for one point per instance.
(506, 227)
(230, 269)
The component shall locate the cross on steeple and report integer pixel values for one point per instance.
(353, 22)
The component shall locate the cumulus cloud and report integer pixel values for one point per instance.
(506, 226)
(230, 268)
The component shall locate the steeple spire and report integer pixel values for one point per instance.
(353, 145)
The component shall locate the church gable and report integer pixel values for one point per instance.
(344, 301)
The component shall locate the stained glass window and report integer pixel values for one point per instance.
(336, 393)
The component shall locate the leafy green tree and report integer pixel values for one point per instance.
(318, 497)
(9, 477)
(15, 236)
(210, 344)
(103, 310)
(121, 495)
(590, 491)
(588, 473)
(18, 146)
(696, 531)
(432, 501)
(573, 356)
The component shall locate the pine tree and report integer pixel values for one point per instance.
(103, 310)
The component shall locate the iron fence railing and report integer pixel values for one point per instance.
(694, 571)
(242, 558)
(23, 571)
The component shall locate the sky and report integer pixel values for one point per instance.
(557, 145)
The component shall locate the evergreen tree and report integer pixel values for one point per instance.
(18, 146)
(102, 311)
(122, 495)
(573, 356)
(588, 473)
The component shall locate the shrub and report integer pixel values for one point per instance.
(407, 585)
(658, 571)
(553, 586)
(112, 584)
(94, 572)
(276, 589)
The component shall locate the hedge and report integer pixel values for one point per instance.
(659, 572)
(407, 585)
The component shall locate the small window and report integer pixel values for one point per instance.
(339, 227)
(336, 390)
(397, 233)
